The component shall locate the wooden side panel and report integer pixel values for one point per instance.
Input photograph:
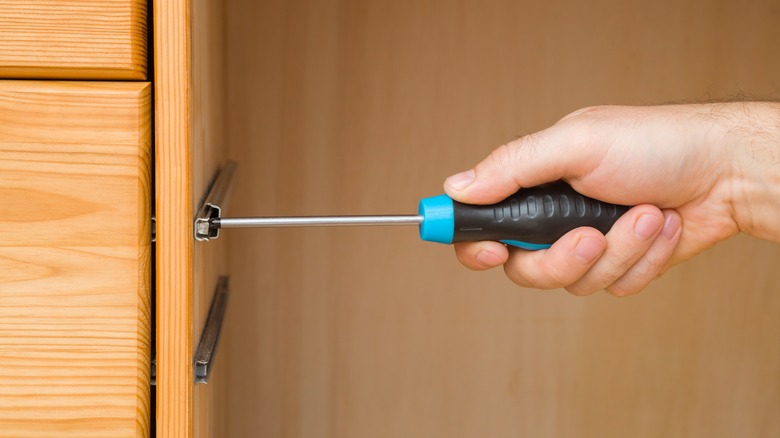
(78, 39)
(190, 150)
(354, 106)
(75, 183)
(208, 155)
(174, 210)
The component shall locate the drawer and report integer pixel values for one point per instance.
(75, 257)
(75, 39)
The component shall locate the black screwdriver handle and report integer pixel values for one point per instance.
(533, 217)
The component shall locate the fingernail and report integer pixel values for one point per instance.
(461, 180)
(588, 248)
(671, 227)
(646, 226)
(487, 259)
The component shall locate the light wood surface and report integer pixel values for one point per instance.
(75, 322)
(361, 107)
(73, 39)
(208, 153)
(190, 149)
(174, 212)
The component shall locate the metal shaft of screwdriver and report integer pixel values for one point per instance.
(316, 221)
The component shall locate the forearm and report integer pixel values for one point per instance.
(756, 186)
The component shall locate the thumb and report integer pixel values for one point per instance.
(535, 159)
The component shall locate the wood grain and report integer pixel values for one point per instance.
(208, 153)
(75, 39)
(190, 149)
(174, 210)
(363, 107)
(75, 160)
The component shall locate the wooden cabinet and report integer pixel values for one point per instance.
(76, 160)
(332, 106)
(75, 238)
(75, 248)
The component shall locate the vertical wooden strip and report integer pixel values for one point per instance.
(174, 214)
(144, 324)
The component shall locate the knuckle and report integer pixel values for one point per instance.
(596, 279)
(559, 278)
(577, 132)
(646, 269)
(531, 145)
(619, 269)
(532, 140)
(513, 152)
(638, 276)
(504, 155)
(619, 262)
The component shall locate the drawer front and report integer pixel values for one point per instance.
(75, 256)
(76, 39)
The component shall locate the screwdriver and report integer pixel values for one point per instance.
(533, 218)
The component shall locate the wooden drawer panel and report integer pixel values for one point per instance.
(74, 258)
(75, 39)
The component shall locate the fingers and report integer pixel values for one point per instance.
(562, 151)
(481, 255)
(545, 269)
(559, 266)
(584, 261)
(628, 240)
(654, 261)
(529, 161)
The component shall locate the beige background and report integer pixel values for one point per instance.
(365, 107)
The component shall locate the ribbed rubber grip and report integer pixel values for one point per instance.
(538, 215)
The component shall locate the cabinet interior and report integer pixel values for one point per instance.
(354, 107)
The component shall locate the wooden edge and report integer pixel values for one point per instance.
(144, 260)
(174, 217)
(135, 67)
(133, 71)
(139, 51)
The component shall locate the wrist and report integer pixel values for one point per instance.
(755, 138)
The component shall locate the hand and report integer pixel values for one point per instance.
(696, 175)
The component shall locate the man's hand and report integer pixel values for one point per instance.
(696, 174)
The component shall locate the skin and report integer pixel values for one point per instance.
(695, 174)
